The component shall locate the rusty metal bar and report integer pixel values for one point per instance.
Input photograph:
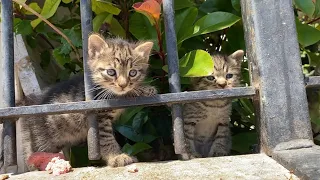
(162, 99)
(93, 132)
(174, 79)
(7, 81)
(272, 46)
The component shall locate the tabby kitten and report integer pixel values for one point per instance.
(118, 69)
(206, 124)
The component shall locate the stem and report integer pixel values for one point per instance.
(51, 25)
(313, 20)
(161, 53)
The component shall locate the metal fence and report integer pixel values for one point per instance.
(278, 86)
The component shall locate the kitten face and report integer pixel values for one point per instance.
(226, 73)
(116, 64)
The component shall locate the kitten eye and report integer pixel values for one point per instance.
(132, 73)
(228, 76)
(111, 72)
(210, 78)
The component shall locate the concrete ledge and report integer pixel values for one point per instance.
(304, 162)
(251, 167)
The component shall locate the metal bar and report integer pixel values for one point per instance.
(174, 79)
(93, 132)
(312, 82)
(7, 81)
(282, 109)
(162, 99)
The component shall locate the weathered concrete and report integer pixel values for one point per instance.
(304, 162)
(251, 167)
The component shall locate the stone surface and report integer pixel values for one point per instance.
(251, 167)
(304, 162)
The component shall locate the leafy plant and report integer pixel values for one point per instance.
(202, 27)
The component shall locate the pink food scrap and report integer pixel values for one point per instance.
(53, 162)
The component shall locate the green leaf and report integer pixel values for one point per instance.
(23, 27)
(130, 133)
(236, 4)
(61, 59)
(33, 6)
(141, 28)
(100, 19)
(75, 36)
(104, 6)
(48, 10)
(214, 22)
(180, 4)
(136, 148)
(138, 120)
(307, 35)
(116, 28)
(210, 23)
(306, 6)
(128, 114)
(314, 58)
(317, 9)
(67, 1)
(196, 63)
(184, 19)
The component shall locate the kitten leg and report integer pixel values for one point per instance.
(190, 122)
(222, 143)
(109, 147)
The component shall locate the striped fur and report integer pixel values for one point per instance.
(206, 124)
(111, 62)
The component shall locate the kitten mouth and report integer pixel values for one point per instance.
(121, 91)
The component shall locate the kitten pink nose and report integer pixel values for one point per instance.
(222, 85)
(221, 82)
(122, 82)
(123, 85)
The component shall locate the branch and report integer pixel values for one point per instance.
(313, 20)
(50, 24)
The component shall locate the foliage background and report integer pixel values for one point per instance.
(202, 27)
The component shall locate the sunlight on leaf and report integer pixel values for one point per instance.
(150, 8)
(196, 63)
(49, 8)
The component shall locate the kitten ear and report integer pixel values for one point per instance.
(144, 49)
(238, 55)
(95, 45)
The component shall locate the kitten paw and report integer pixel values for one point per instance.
(150, 91)
(189, 156)
(121, 160)
(217, 154)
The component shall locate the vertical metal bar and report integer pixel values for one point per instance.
(7, 81)
(93, 133)
(174, 79)
(273, 51)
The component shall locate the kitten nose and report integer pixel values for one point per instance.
(122, 82)
(221, 82)
(222, 85)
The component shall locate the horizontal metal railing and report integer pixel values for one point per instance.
(95, 105)
(312, 82)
